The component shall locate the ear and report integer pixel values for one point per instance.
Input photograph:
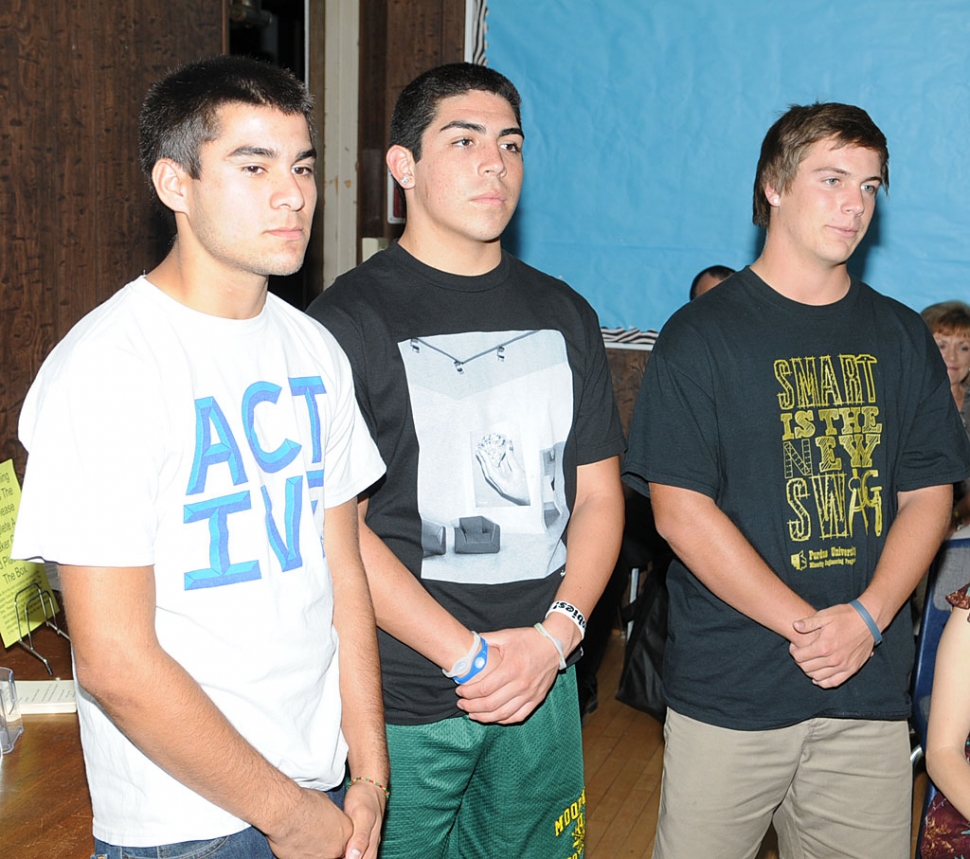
(772, 194)
(171, 181)
(401, 164)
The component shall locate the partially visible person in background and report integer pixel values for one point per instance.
(946, 829)
(950, 323)
(708, 278)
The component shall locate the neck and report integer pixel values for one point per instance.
(801, 281)
(467, 258)
(208, 288)
(959, 391)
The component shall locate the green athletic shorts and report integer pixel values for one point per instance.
(463, 790)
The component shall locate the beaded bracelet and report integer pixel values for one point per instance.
(573, 613)
(377, 784)
(864, 614)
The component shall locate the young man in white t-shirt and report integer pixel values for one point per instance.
(195, 454)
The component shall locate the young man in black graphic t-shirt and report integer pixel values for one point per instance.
(486, 387)
(795, 431)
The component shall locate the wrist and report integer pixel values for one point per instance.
(471, 664)
(867, 618)
(462, 658)
(374, 784)
(275, 818)
(556, 643)
(562, 628)
(568, 610)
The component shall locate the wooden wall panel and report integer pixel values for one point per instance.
(72, 216)
(27, 318)
(421, 35)
(77, 224)
(626, 369)
(399, 40)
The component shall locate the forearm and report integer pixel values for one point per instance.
(404, 609)
(949, 723)
(950, 771)
(913, 540)
(593, 545)
(163, 712)
(718, 554)
(360, 673)
(523, 664)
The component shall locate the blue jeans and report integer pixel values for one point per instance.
(248, 844)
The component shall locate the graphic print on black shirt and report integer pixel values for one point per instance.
(490, 471)
(830, 428)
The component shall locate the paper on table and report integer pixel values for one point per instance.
(45, 696)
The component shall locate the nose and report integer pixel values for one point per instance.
(493, 159)
(289, 192)
(855, 201)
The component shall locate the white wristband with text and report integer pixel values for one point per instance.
(573, 613)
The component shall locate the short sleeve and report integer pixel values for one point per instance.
(351, 459)
(91, 424)
(673, 433)
(960, 599)
(599, 434)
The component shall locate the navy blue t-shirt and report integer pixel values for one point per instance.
(802, 422)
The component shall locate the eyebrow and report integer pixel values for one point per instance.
(842, 172)
(480, 129)
(263, 152)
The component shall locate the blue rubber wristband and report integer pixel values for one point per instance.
(864, 614)
(478, 663)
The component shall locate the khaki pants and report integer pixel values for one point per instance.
(834, 788)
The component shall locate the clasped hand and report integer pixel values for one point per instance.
(318, 829)
(833, 645)
(522, 666)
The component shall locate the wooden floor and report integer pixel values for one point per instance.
(623, 750)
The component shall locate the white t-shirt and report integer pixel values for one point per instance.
(208, 448)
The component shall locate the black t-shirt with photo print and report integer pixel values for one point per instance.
(484, 394)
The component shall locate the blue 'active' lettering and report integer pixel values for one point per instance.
(215, 444)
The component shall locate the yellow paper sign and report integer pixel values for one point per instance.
(21, 578)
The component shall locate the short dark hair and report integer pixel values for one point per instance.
(787, 143)
(948, 317)
(180, 112)
(719, 271)
(417, 104)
